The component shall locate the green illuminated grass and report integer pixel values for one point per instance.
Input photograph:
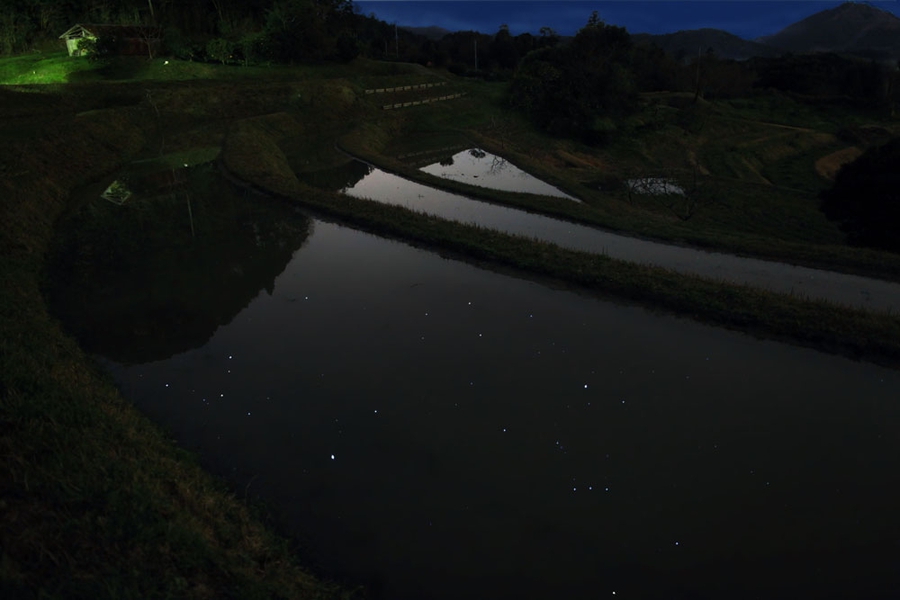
(57, 67)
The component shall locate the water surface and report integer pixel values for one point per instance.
(804, 282)
(477, 167)
(438, 431)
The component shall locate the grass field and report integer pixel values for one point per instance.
(97, 502)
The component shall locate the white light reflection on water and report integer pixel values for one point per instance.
(477, 167)
(804, 282)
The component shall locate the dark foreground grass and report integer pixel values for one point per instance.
(252, 156)
(96, 501)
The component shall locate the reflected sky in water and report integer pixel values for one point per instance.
(435, 431)
(477, 167)
(804, 282)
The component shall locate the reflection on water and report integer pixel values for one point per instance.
(336, 178)
(158, 275)
(477, 167)
(430, 429)
(779, 277)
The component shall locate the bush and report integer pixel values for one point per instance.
(457, 68)
(252, 48)
(182, 47)
(99, 48)
(347, 47)
(220, 49)
(865, 198)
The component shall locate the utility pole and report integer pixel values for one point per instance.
(697, 82)
(396, 41)
(476, 54)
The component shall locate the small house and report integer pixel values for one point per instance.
(127, 39)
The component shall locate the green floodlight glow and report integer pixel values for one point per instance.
(39, 69)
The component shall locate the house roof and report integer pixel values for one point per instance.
(102, 29)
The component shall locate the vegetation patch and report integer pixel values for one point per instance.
(829, 165)
(848, 331)
(95, 501)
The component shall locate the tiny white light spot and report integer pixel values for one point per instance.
(221, 395)
(585, 386)
(167, 385)
(248, 414)
(677, 543)
(229, 357)
(332, 457)
(504, 430)
(376, 412)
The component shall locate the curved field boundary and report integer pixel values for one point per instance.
(425, 101)
(405, 88)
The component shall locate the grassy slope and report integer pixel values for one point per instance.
(95, 501)
(756, 185)
(252, 154)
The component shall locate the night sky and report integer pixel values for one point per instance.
(749, 19)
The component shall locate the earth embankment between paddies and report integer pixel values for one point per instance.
(251, 153)
(95, 500)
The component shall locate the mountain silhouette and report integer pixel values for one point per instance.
(851, 28)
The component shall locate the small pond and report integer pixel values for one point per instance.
(429, 428)
(477, 167)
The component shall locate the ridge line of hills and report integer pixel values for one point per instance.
(853, 28)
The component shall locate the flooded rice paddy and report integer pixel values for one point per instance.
(804, 282)
(438, 431)
(477, 167)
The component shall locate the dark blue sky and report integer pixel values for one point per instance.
(748, 19)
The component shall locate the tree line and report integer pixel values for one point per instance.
(272, 29)
(567, 85)
(582, 86)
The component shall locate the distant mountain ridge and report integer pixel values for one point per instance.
(432, 32)
(685, 44)
(851, 28)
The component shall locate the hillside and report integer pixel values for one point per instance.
(849, 28)
(432, 33)
(684, 44)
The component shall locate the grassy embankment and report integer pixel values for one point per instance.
(750, 174)
(96, 501)
(251, 153)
